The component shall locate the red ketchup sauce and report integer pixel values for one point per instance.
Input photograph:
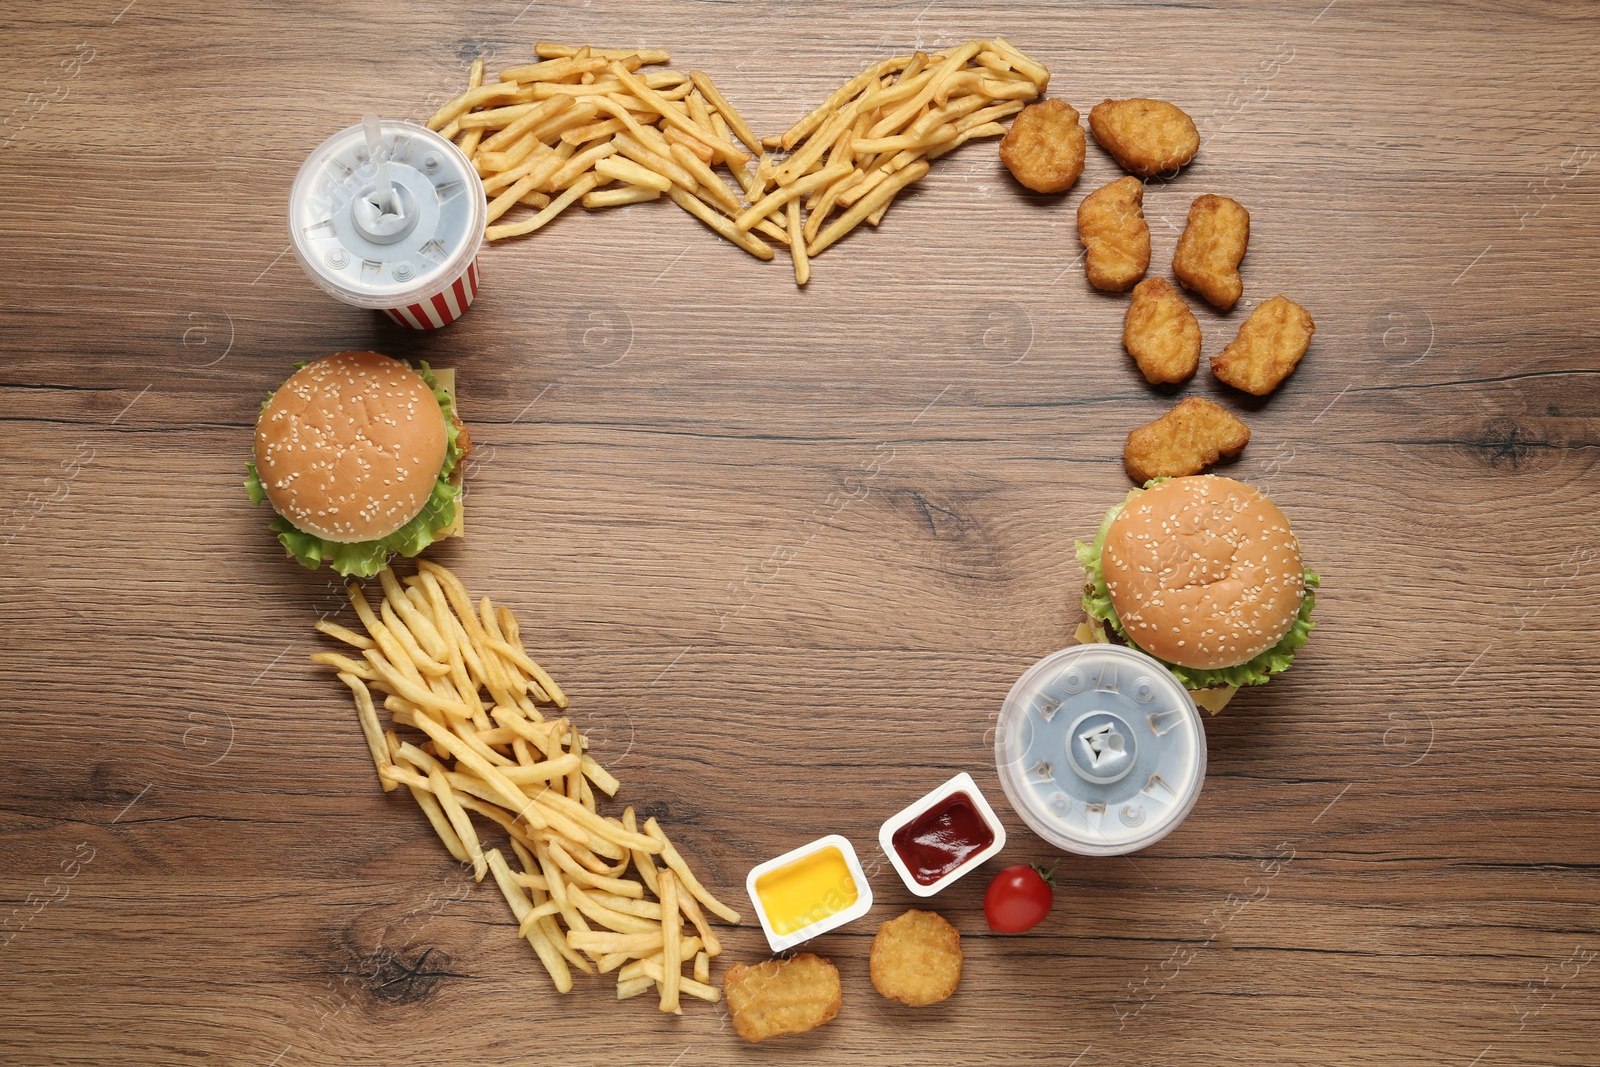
(942, 838)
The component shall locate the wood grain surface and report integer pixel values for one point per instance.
(788, 550)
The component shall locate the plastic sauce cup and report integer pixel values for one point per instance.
(942, 836)
(808, 891)
(413, 257)
(1100, 749)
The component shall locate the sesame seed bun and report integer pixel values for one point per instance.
(349, 448)
(1203, 572)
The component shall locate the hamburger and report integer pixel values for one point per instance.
(360, 457)
(1205, 575)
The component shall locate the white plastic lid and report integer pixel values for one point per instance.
(1100, 749)
(371, 255)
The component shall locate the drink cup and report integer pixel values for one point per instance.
(1100, 750)
(399, 234)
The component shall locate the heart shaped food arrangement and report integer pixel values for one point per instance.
(1196, 585)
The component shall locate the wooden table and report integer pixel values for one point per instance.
(788, 550)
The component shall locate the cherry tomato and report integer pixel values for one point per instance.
(1018, 899)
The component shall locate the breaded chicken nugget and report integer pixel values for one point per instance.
(782, 996)
(1044, 147)
(1213, 243)
(1268, 348)
(1160, 333)
(1112, 228)
(916, 959)
(1184, 441)
(1145, 136)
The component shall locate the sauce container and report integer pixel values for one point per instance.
(1100, 749)
(941, 837)
(809, 891)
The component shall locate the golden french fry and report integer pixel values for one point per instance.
(618, 921)
(947, 132)
(349, 637)
(1035, 72)
(574, 167)
(634, 987)
(724, 227)
(804, 128)
(606, 941)
(635, 966)
(346, 665)
(702, 967)
(531, 919)
(626, 170)
(578, 873)
(656, 157)
(671, 931)
(898, 118)
(697, 146)
(590, 131)
(643, 862)
(458, 821)
(557, 206)
(368, 716)
(714, 97)
(647, 56)
(554, 70)
(660, 973)
(797, 244)
(706, 177)
(414, 691)
(468, 100)
(509, 794)
(867, 205)
(632, 194)
(644, 909)
(542, 772)
(553, 961)
(653, 100)
(691, 909)
(424, 663)
(670, 856)
(599, 776)
(497, 118)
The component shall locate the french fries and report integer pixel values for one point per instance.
(433, 655)
(593, 125)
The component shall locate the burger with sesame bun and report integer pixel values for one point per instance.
(1205, 575)
(360, 457)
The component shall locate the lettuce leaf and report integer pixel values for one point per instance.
(1258, 671)
(363, 559)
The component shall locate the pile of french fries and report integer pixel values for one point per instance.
(460, 676)
(586, 124)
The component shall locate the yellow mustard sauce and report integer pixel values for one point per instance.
(807, 891)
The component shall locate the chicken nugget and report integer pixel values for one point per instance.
(781, 996)
(1045, 146)
(1112, 228)
(1213, 243)
(1184, 441)
(1161, 333)
(916, 959)
(1146, 137)
(1268, 348)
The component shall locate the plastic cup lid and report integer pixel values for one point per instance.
(392, 253)
(1100, 749)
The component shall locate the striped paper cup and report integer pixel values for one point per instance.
(412, 255)
(443, 307)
